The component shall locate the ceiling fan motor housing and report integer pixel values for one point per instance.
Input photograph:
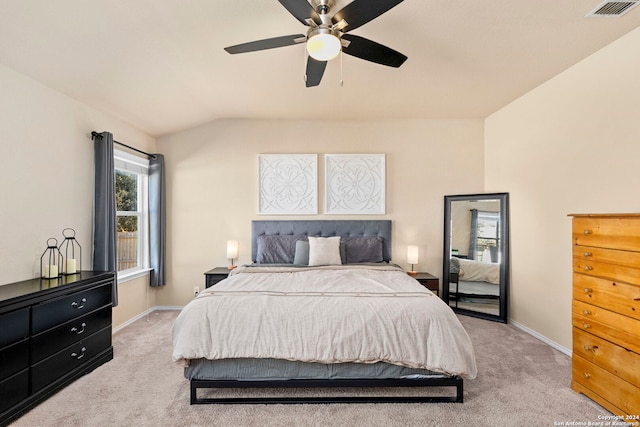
(322, 6)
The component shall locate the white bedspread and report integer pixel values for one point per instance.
(476, 271)
(324, 314)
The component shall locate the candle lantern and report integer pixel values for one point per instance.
(71, 251)
(51, 260)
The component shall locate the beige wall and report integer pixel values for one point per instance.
(570, 146)
(46, 178)
(213, 191)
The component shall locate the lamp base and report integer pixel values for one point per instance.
(231, 267)
(412, 273)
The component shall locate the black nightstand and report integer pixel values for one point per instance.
(215, 275)
(429, 281)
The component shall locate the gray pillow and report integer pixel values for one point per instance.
(454, 265)
(363, 249)
(277, 248)
(301, 256)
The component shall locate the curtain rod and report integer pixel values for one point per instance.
(95, 134)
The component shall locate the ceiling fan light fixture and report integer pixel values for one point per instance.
(323, 44)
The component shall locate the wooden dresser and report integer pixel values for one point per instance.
(606, 310)
(51, 333)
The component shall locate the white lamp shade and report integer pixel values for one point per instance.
(232, 249)
(412, 254)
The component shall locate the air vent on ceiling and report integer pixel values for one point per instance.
(613, 8)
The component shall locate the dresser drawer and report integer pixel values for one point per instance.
(52, 368)
(53, 340)
(620, 297)
(14, 358)
(14, 389)
(607, 386)
(14, 326)
(63, 309)
(614, 327)
(613, 358)
(597, 268)
(607, 232)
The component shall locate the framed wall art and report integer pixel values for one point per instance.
(288, 184)
(355, 184)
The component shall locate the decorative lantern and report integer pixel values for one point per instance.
(71, 251)
(51, 260)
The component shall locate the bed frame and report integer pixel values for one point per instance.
(456, 382)
(327, 228)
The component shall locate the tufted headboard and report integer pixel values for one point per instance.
(323, 228)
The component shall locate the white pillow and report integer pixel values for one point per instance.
(324, 250)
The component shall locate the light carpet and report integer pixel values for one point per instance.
(521, 382)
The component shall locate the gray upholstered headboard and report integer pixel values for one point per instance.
(324, 228)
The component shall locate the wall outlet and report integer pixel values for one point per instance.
(196, 291)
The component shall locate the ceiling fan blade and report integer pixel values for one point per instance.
(315, 70)
(359, 12)
(371, 51)
(301, 10)
(265, 44)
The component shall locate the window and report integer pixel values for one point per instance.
(132, 213)
(488, 230)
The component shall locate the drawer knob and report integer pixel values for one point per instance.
(586, 325)
(588, 268)
(588, 231)
(80, 355)
(587, 254)
(587, 375)
(590, 347)
(79, 331)
(588, 290)
(586, 312)
(79, 306)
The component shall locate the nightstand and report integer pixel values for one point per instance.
(429, 281)
(215, 275)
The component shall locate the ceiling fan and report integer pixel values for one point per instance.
(327, 34)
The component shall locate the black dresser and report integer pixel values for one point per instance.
(51, 333)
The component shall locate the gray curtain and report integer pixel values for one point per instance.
(157, 220)
(473, 237)
(104, 217)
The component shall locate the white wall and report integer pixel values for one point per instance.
(46, 176)
(570, 146)
(213, 184)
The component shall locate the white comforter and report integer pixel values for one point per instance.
(328, 314)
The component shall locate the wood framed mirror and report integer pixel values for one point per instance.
(475, 276)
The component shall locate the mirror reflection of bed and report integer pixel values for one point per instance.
(474, 285)
(476, 255)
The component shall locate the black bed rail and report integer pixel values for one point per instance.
(456, 382)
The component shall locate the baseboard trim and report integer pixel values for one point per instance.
(168, 308)
(542, 338)
(146, 313)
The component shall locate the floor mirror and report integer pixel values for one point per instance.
(476, 255)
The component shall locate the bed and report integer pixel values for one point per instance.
(321, 306)
(474, 281)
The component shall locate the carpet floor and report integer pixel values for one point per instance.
(521, 382)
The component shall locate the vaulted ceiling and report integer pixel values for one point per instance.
(160, 64)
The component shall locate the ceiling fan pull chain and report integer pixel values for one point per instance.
(341, 80)
(304, 64)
